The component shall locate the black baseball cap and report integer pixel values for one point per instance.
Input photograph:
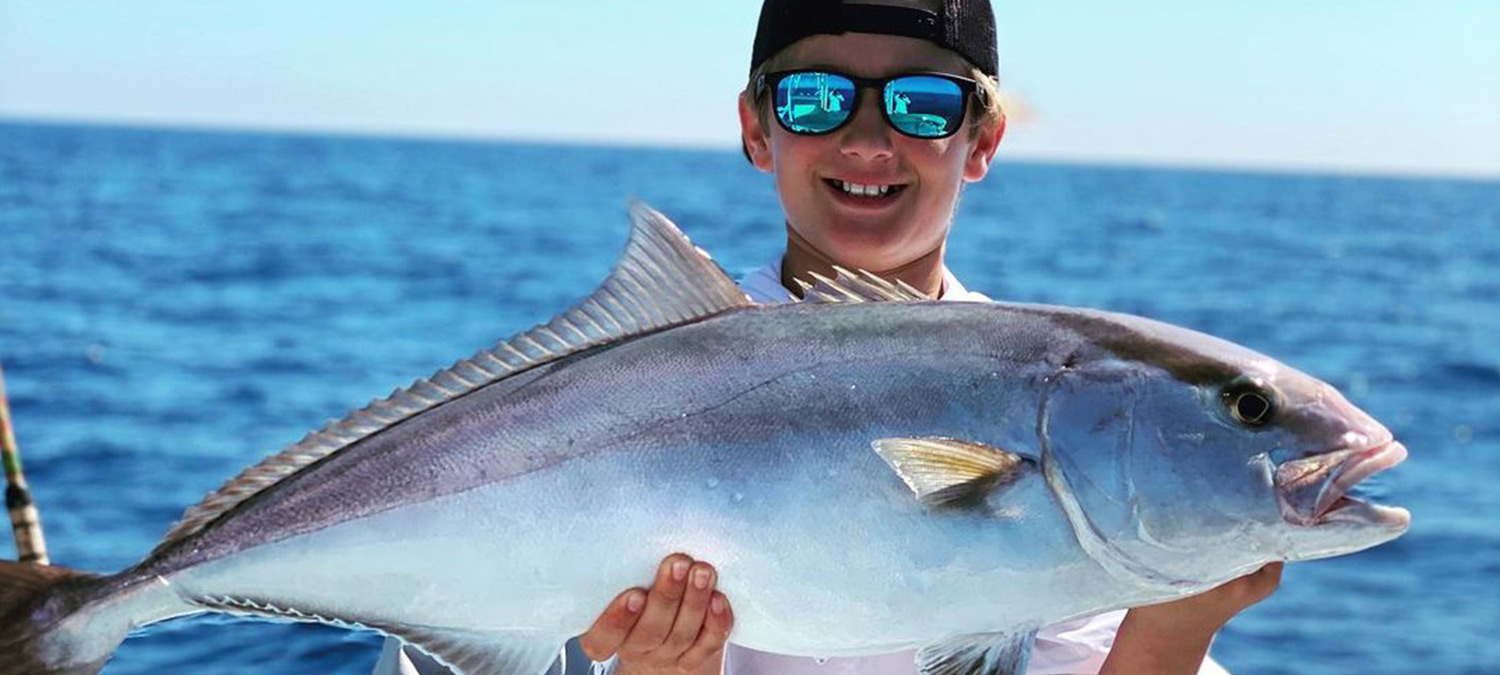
(964, 26)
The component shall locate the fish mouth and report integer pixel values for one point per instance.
(1313, 491)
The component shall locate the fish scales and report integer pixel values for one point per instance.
(509, 428)
(707, 419)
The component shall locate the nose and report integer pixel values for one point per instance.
(867, 137)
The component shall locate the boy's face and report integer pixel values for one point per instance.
(876, 234)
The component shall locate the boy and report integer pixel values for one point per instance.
(870, 187)
(869, 170)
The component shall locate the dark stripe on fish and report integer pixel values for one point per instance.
(1130, 344)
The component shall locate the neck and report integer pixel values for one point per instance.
(924, 274)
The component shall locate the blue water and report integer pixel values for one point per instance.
(176, 305)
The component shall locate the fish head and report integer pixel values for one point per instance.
(1198, 460)
(1329, 447)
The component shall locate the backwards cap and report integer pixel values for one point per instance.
(964, 26)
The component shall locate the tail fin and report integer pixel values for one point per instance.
(43, 631)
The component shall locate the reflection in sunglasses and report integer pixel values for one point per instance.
(811, 102)
(817, 102)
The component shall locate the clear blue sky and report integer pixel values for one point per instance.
(1410, 86)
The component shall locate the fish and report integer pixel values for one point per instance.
(869, 470)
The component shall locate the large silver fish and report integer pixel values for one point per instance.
(869, 471)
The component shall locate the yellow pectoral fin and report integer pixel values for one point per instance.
(944, 470)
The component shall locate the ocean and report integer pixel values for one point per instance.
(175, 305)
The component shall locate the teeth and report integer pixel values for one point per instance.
(865, 190)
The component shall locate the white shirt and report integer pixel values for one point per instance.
(1075, 647)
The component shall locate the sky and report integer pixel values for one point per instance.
(1367, 86)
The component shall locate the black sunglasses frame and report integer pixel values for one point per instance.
(967, 87)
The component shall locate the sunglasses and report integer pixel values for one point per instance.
(919, 105)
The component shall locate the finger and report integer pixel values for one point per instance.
(713, 635)
(692, 612)
(661, 605)
(604, 638)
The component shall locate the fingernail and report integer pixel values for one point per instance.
(717, 604)
(700, 579)
(679, 570)
(633, 602)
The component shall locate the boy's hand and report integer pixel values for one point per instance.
(1173, 637)
(677, 627)
(1204, 614)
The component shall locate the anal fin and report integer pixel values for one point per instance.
(469, 652)
(977, 654)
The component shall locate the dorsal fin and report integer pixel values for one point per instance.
(661, 280)
(850, 287)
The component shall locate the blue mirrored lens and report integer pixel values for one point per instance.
(814, 103)
(924, 106)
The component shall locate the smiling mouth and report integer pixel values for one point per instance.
(872, 194)
(1314, 490)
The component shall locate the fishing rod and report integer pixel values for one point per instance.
(25, 521)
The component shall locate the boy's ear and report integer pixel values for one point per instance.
(986, 142)
(756, 142)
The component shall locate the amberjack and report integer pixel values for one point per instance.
(868, 469)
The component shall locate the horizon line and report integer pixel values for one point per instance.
(449, 136)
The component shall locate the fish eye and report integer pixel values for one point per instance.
(1249, 404)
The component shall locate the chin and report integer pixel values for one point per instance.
(867, 251)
